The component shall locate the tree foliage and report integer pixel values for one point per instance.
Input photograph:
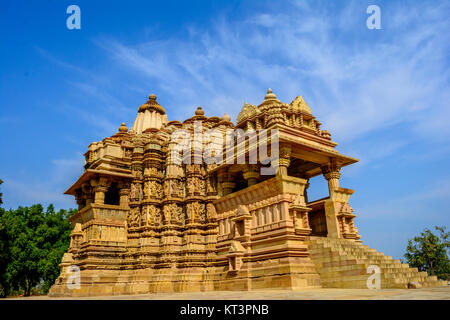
(429, 252)
(1, 194)
(32, 243)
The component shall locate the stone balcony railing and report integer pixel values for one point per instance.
(99, 224)
(260, 208)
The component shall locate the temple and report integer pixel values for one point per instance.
(155, 214)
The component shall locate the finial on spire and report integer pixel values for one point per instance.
(123, 128)
(152, 97)
(270, 95)
(226, 117)
(199, 111)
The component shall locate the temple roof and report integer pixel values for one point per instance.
(248, 111)
(299, 104)
(294, 121)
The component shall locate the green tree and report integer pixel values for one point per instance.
(1, 194)
(35, 243)
(4, 254)
(429, 252)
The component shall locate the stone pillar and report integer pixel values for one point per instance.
(226, 182)
(227, 187)
(284, 159)
(100, 194)
(331, 173)
(88, 194)
(251, 174)
(81, 201)
(124, 195)
(100, 187)
(305, 193)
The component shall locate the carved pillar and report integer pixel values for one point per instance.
(124, 194)
(285, 158)
(226, 182)
(81, 201)
(88, 194)
(228, 187)
(332, 175)
(100, 187)
(100, 194)
(251, 174)
(306, 192)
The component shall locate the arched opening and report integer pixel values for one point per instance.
(112, 195)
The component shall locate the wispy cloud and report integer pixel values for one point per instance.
(355, 86)
(107, 111)
(31, 191)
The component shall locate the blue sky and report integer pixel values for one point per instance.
(383, 94)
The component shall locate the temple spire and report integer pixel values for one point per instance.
(151, 115)
(270, 95)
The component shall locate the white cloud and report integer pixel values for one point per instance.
(21, 189)
(353, 85)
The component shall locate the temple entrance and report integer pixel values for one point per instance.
(317, 218)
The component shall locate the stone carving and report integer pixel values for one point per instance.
(133, 192)
(133, 220)
(195, 186)
(210, 185)
(136, 193)
(154, 189)
(157, 216)
(191, 186)
(139, 193)
(211, 211)
(144, 215)
(195, 211)
(171, 213)
(154, 171)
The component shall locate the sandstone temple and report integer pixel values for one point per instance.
(156, 217)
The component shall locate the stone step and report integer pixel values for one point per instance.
(343, 264)
(344, 260)
(334, 272)
(342, 271)
(377, 259)
(361, 284)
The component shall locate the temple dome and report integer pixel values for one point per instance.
(150, 116)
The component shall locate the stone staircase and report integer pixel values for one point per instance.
(343, 263)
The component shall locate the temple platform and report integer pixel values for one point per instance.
(440, 293)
